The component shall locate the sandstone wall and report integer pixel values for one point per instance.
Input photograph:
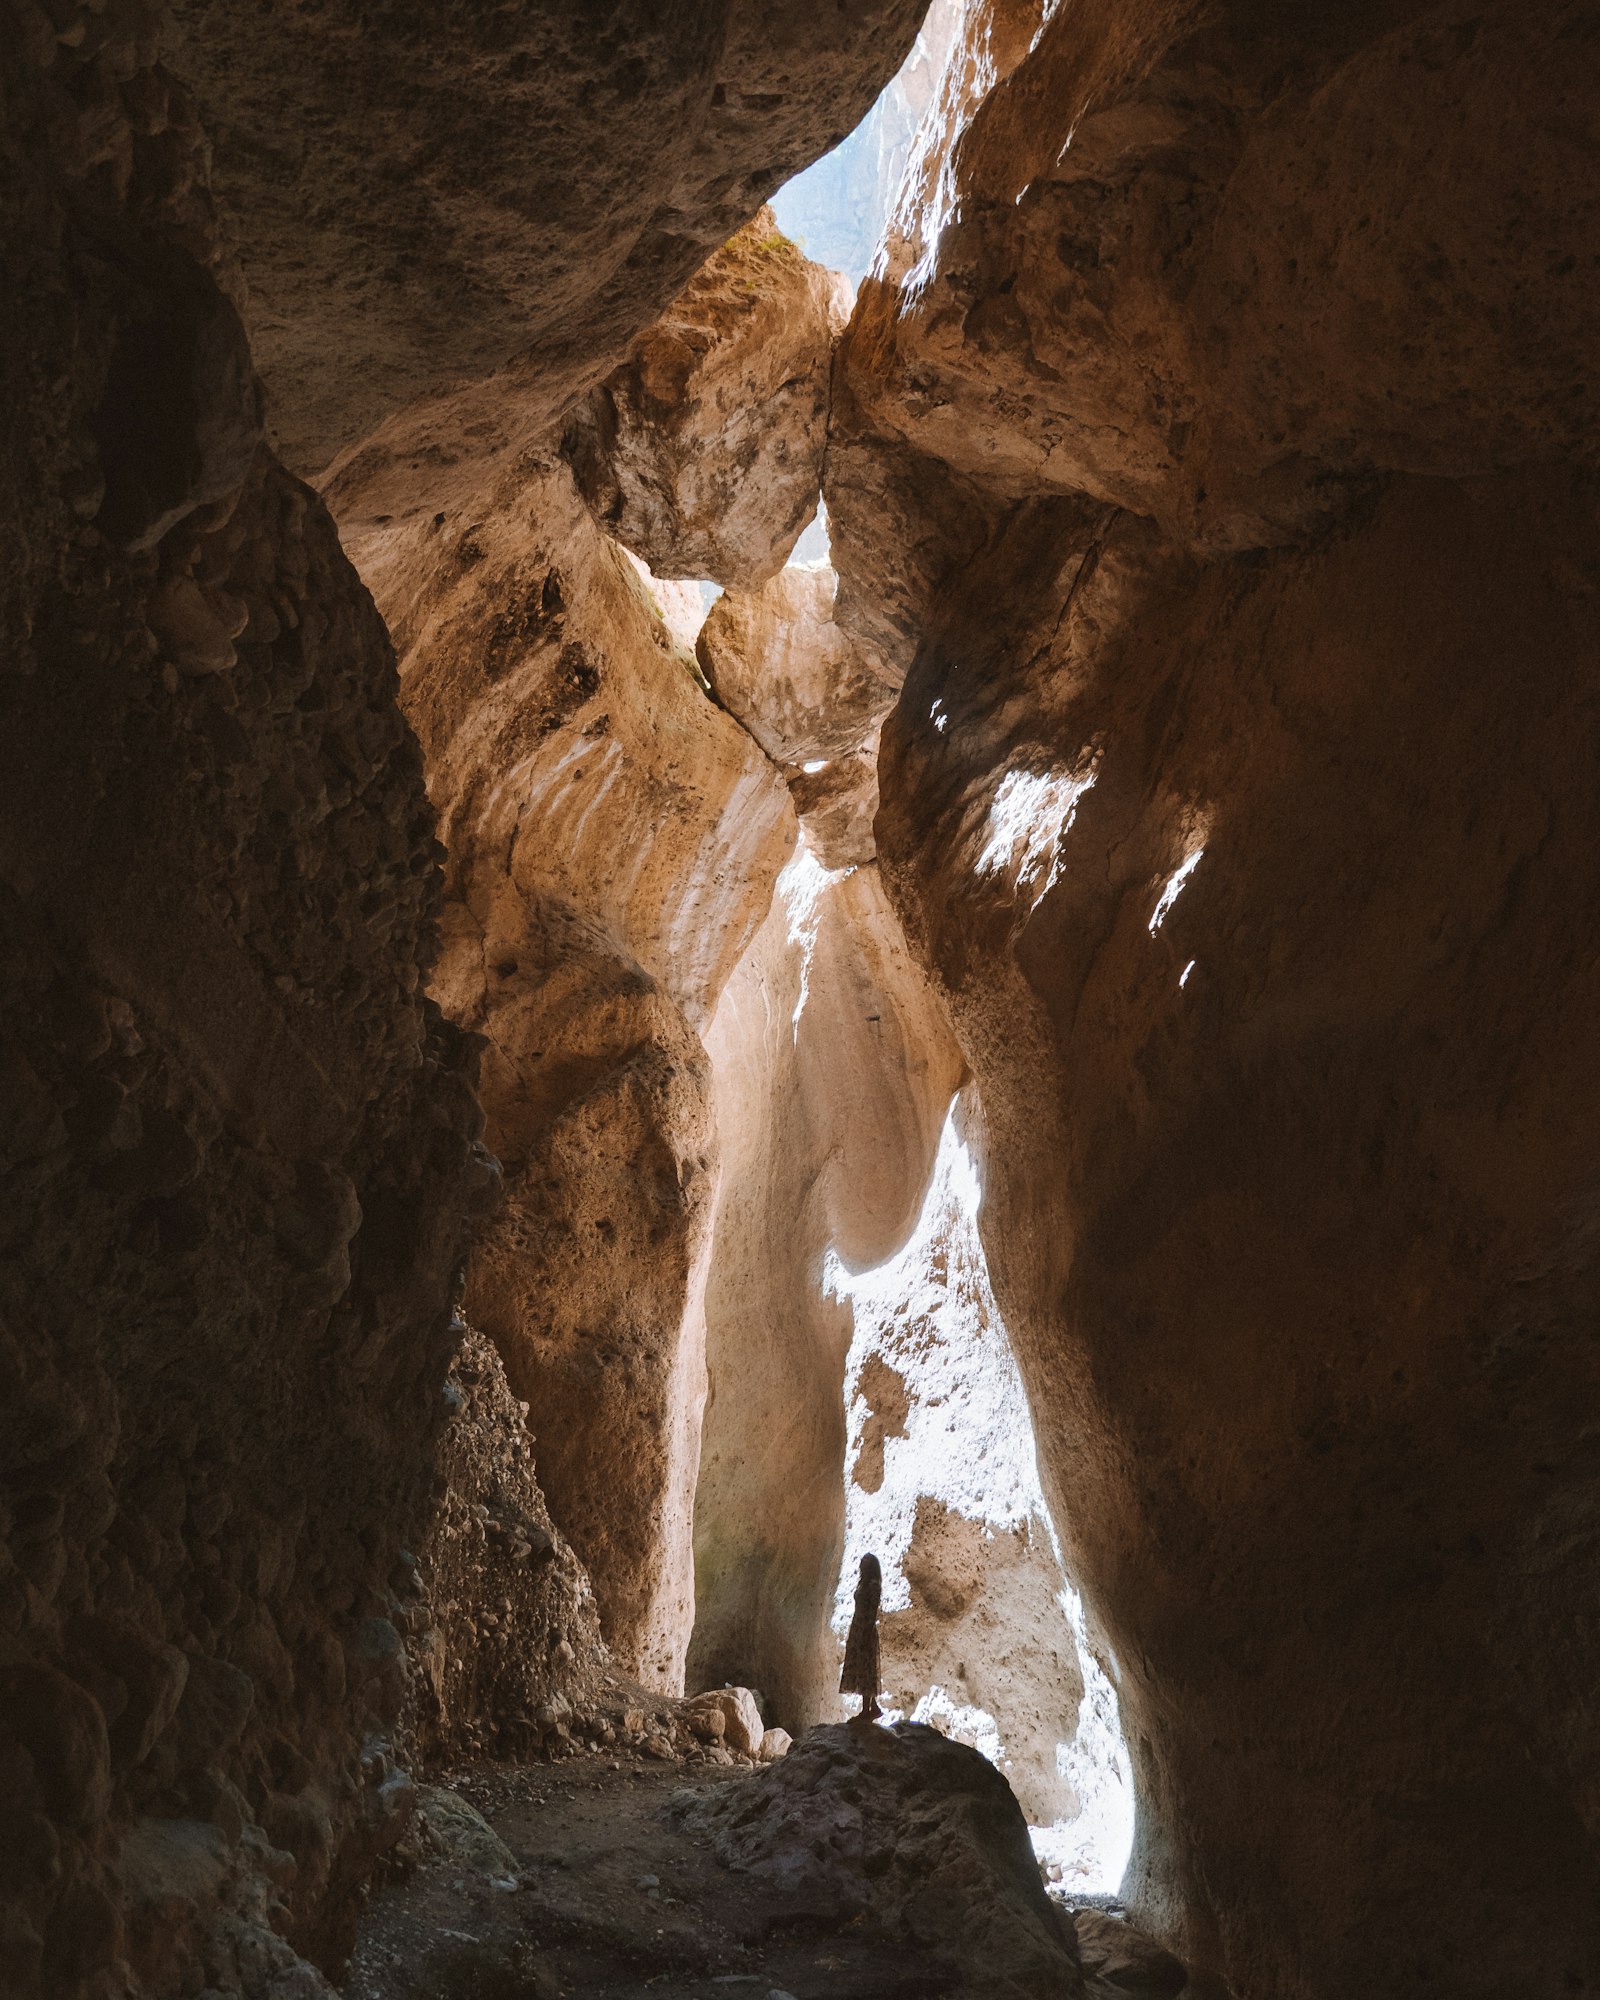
(240, 1148)
(811, 694)
(703, 452)
(422, 197)
(981, 1634)
(237, 1145)
(613, 840)
(1254, 347)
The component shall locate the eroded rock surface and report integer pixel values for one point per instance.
(981, 1634)
(498, 1615)
(1235, 796)
(703, 452)
(919, 1835)
(984, 1627)
(238, 1146)
(833, 1066)
(420, 198)
(811, 695)
(613, 842)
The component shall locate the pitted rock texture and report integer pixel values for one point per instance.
(985, 1626)
(238, 1146)
(420, 198)
(1235, 796)
(918, 1837)
(613, 842)
(703, 452)
(498, 1615)
(1249, 280)
(1302, 1042)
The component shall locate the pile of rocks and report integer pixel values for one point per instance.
(500, 1620)
(728, 1722)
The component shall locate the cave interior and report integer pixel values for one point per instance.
(786, 783)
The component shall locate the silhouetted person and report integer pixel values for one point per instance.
(860, 1674)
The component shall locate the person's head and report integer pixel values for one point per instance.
(870, 1572)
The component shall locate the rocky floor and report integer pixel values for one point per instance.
(587, 1880)
(611, 1897)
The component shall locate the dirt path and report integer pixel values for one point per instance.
(611, 1898)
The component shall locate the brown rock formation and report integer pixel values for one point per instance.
(1214, 465)
(922, 1834)
(613, 841)
(811, 695)
(421, 197)
(984, 1625)
(499, 1617)
(237, 1144)
(703, 452)
(1235, 281)
(1236, 796)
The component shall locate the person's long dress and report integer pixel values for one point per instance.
(860, 1673)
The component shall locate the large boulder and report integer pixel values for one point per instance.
(918, 1835)
(500, 1619)
(812, 695)
(1121, 1963)
(703, 452)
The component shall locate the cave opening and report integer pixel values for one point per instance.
(984, 1637)
(834, 1138)
(983, 1634)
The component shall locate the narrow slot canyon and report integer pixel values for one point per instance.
(788, 787)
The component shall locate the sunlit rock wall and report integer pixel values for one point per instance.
(703, 452)
(613, 841)
(1224, 462)
(832, 1067)
(811, 694)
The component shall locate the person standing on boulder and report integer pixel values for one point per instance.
(860, 1673)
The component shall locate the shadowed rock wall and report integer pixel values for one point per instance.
(237, 1144)
(423, 196)
(239, 1148)
(1254, 347)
